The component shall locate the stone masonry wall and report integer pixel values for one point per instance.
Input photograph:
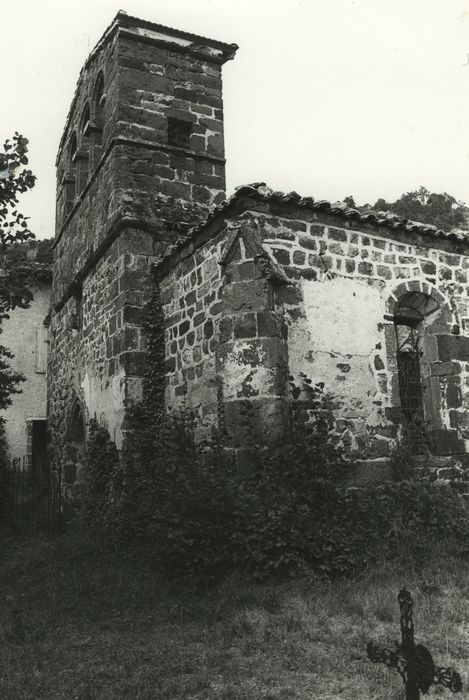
(100, 358)
(123, 167)
(192, 308)
(338, 308)
(219, 307)
(317, 296)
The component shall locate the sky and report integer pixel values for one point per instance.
(329, 98)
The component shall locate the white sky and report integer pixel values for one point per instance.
(326, 97)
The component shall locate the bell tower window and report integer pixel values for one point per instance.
(179, 132)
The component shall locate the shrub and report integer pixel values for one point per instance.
(290, 513)
(96, 477)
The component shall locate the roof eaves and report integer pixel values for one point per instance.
(259, 191)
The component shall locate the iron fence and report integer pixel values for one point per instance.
(35, 499)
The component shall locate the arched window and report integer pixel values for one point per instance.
(84, 152)
(75, 446)
(413, 313)
(99, 101)
(85, 121)
(72, 150)
(77, 426)
(69, 180)
(96, 124)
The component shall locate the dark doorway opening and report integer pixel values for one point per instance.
(39, 446)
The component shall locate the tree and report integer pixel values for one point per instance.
(440, 210)
(9, 379)
(350, 202)
(15, 281)
(15, 179)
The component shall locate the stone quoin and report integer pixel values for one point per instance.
(253, 290)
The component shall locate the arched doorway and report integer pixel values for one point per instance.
(75, 447)
(77, 426)
(413, 314)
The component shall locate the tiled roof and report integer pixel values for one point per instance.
(260, 192)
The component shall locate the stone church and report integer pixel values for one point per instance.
(253, 289)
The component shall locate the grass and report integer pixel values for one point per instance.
(78, 622)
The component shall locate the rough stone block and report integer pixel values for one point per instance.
(248, 270)
(452, 260)
(445, 274)
(384, 272)
(441, 369)
(453, 395)
(199, 318)
(226, 328)
(245, 326)
(183, 327)
(282, 255)
(289, 294)
(135, 363)
(337, 235)
(445, 442)
(365, 268)
(132, 314)
(452, 347)
(132, 280)
(274, 351)
(270, 324)
(298, 257)
(247, 296)
(215, 144)
(390, 339)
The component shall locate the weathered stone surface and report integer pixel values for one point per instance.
(445, 442)
(138, 180)
(442, 369)
(452, 347)
(245, 326)
(246, 296)
(453, 395)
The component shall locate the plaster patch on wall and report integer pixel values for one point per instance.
(107, 403)
(242, 368)
(348, 328)
(335, 342)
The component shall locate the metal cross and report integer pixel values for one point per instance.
(412, 661)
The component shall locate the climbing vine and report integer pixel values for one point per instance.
(153, 403)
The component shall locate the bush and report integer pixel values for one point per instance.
(291, 513)
(96, 478)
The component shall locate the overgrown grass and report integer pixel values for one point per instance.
(78, 622)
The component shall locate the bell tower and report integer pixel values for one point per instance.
(140, 162)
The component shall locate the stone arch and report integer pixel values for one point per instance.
(85, 120)
(76, 440)
(83, 152)
(414, 286)
(72, 149)
(99, 98)
(69, 180)
(76, 423)
(96, 123)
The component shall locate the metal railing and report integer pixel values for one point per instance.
(34, 498)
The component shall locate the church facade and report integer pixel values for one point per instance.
(254, 291)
